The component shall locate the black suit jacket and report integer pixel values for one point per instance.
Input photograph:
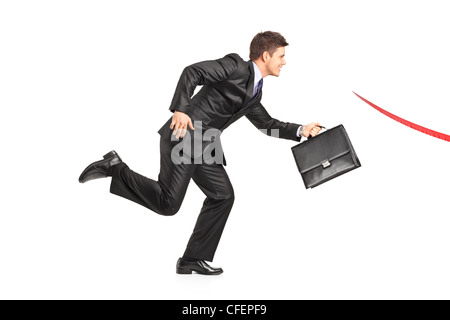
(225, 97)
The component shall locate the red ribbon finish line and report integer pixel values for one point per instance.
(406, 122)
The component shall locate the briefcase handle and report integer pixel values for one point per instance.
(309, 137)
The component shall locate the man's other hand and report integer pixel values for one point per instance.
(180, 121)
(312, 129)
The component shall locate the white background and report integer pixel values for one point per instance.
(80, 78)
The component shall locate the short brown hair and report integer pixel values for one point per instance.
(266, 41)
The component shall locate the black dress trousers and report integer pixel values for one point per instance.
(166, 195)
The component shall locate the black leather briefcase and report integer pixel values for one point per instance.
(325, 157)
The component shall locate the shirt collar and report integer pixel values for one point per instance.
(258, 75)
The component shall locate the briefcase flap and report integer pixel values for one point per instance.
(322, 150)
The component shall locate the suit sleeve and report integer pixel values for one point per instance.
(262, 120)
(201, 73)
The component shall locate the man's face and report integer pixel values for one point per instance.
(276, 62)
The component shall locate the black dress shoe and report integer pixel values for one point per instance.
(98, 169)
(199, 266)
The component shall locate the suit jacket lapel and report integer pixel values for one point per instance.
(248, 97)
(250, 84)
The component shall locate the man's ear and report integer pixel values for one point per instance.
(265, 56)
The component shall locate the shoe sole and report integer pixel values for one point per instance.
(190, 271)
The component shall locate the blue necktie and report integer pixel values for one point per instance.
(258, 87)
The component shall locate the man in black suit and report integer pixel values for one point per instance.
(232, 88)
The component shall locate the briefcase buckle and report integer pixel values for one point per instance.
(326, 164)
